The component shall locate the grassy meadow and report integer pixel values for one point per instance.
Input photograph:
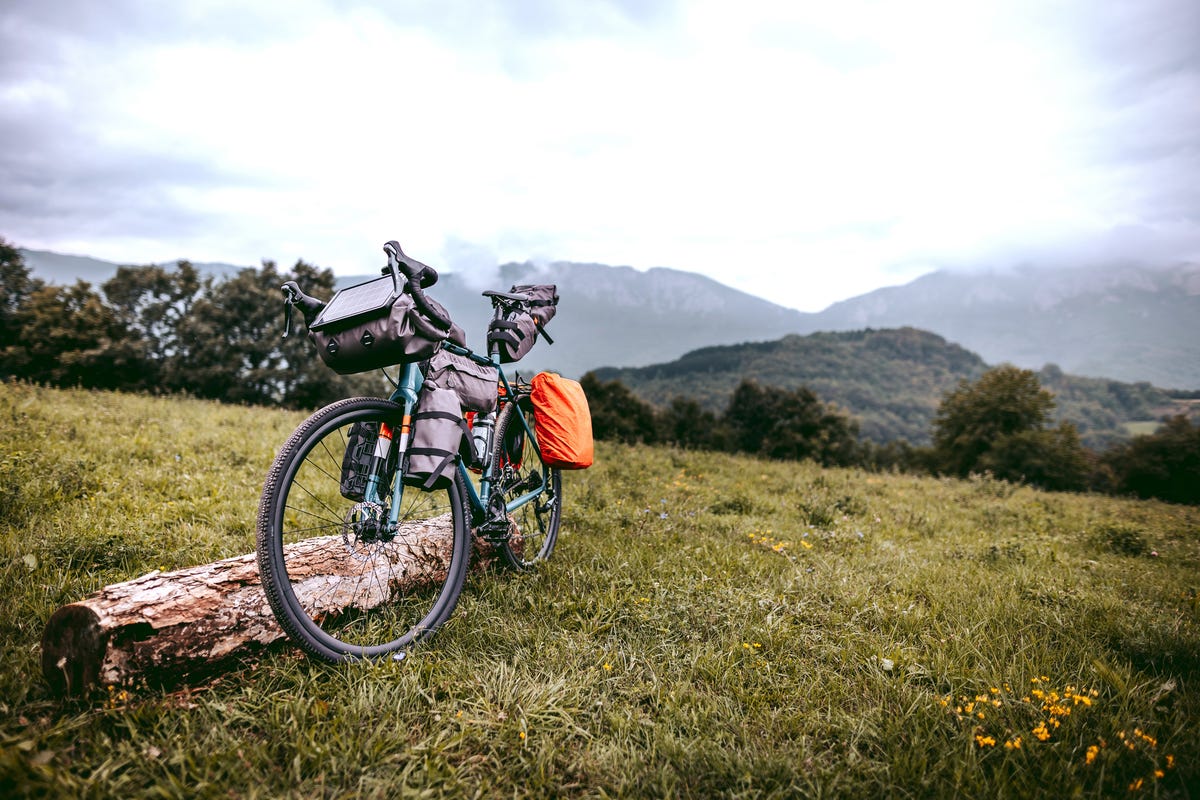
(710, 626)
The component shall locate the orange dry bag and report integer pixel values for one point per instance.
(562, 421)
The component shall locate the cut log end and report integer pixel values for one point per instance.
(73, 646)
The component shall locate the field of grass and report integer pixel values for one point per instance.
(709, 626)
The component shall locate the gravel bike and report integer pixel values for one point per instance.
(369, 573)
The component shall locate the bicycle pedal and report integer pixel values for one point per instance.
(495, 531)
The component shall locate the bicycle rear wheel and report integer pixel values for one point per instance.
(519, 470)
(342, 583)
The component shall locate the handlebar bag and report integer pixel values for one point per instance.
(562, 421)
(474, 383)
(437, 431)
(370, 325)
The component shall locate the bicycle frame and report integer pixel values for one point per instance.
(408, 387)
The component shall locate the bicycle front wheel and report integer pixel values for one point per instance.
(519, 470)
(343, 582)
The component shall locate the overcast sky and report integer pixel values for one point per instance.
(802, 151)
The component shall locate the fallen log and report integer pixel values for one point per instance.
(186, 621)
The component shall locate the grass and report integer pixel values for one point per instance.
(1142, 427)
(709, 626)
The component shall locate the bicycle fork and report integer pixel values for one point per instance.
(386, 443)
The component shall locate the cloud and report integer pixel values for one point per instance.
(798, 151)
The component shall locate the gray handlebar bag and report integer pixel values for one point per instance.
(438, 428)
(370, 326)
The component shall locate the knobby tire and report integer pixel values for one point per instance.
(374, 595)
(517, 463)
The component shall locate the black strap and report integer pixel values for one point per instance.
(507, 331)
(437, 415)
(437, 471)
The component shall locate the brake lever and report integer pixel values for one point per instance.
(290, 296)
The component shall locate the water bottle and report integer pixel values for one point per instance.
(481, 428)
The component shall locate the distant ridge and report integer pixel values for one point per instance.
(63, 269)
(1123, 321)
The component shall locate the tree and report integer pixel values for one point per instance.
(16, 285)
(150, 302)
(1165, 464)
(782, 424)
(617, 414)
(973, 417)
(686, 424)
(997, 424)
(1050, 458)
(229, 346)
(68, 337)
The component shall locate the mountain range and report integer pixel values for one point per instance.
(1125, 322)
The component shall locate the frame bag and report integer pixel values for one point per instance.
(437, 431)
(374, 325)
(517, 331)
(474, 383)
(562, 422)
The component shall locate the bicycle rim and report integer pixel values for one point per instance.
(343, 584)
(517, 463)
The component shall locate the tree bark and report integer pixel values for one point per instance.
(185, 622)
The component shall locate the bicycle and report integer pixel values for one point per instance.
(351, 578)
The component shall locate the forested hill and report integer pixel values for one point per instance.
(890, 380)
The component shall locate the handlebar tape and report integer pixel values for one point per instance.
(419, 276)
(426, 275)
